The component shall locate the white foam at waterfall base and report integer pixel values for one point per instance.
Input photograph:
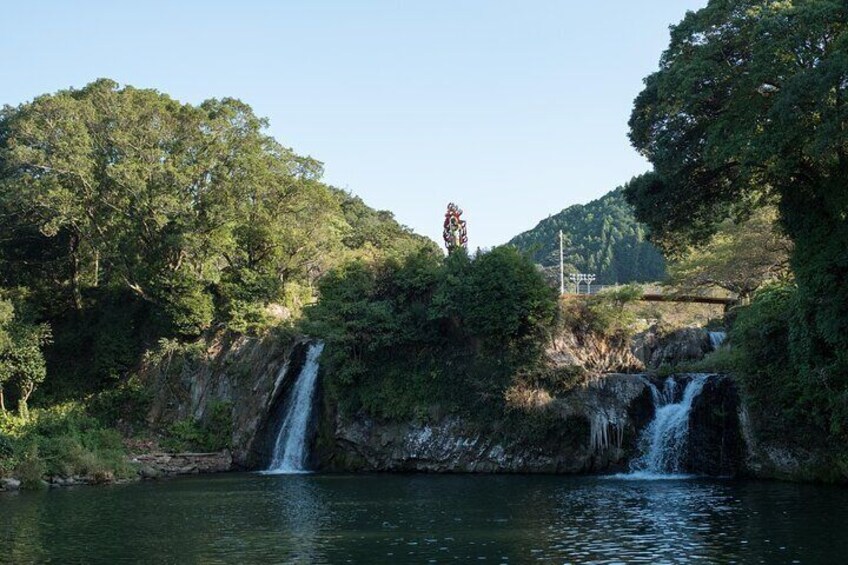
(290, 449)
(663, 443)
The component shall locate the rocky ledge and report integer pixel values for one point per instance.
(597, 431)
(155, 465)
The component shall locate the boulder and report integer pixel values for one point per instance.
(655, 348)
(716, 446)
(9, 484)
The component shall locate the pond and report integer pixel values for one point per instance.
(247, 518)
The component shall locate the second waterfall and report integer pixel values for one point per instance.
(291, 449)
(665, 442)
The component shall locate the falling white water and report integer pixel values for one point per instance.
(290, 450)
(663, 442)
(717, 338)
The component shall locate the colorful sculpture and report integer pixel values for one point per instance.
(455, 232)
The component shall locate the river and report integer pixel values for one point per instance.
(248, 518)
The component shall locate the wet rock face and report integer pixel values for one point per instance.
(250, 375)
(716, 446)
(596, 430)
(655, 349)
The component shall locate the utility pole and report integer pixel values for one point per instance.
(561, 267)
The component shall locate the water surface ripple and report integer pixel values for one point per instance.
(250, 518)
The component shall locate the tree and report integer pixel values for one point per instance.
(193, 209)
(21, 357)
(740, 257)
(749, 107)
(7, 314)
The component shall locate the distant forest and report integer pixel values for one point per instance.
(602, 237)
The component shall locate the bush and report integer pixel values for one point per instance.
(780, 367)
(64, 441)
(603, 314)
(212, 433)
(428, 334)
(125, 406)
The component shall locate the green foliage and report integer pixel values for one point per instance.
(130, 217)
(773, 354)
(21, 358)
(124, 406)
(212, 433)
(6, 448)
(406, 337)
(749, 108)
(602, 237)
(740, 257)
(604, 314)
(63, 441)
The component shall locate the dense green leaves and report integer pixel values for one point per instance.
(408, 336)
(130, 216)
(740, 257)
(750, 107)
(21, 358)
(602, 237)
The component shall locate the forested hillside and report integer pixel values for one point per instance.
(129, 217)
(601, 237)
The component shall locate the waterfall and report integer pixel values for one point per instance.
(290, 449)
(664, 442)
(717, 338)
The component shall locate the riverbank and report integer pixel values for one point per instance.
(153, 466)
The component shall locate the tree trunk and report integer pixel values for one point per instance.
(75, 271)
(26, 392)
(2, 401)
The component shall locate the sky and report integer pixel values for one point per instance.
(514, 110)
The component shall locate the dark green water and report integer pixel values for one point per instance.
(241, 518)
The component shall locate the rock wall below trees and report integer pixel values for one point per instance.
(597, 431)
(598, 422)
(250, 376)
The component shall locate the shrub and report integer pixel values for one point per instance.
(212, 433)
(125, 406)
(63, 440)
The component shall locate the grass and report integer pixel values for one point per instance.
(62, 440)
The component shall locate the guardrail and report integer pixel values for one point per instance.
(653, 293)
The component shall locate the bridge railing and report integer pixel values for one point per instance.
(601, 288)
(646, 289)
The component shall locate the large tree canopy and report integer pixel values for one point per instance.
(191, 208)
(741, 257)
(749, 107)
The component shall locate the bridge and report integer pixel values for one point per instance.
(656, 293)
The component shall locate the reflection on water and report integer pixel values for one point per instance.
(426, 518)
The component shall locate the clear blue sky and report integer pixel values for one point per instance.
(514, 110)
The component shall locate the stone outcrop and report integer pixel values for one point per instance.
(716, 445)
(156, 465)
(9, 484)
(250, 375)
(599, 426)
(646, 351)
(596, 354)
(655, 348)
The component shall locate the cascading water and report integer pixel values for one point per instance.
(663, 443)
(290, 449)
(717, 338)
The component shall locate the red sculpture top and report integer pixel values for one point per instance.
(455, 232)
